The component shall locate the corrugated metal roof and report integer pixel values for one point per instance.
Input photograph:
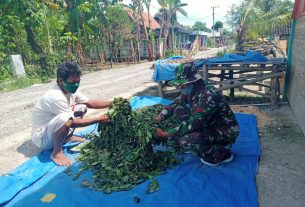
(202, 33)
(284, 30)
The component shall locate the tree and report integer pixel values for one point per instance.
(151, 32)
(218, 25)
(147, 39)
(254, 18)
(226, 32)
(200, 26)
(134, 8)
(169, 10)
(32, 26)
(117, 29)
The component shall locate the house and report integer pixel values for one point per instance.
(200, 38)
(295, 77)
(281, 36)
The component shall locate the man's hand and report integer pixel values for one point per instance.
(104, 118)
(161, 134)
(159, 118)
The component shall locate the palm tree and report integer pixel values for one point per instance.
(259, 17)
(134, 7)
(169, 10)
(150, 43)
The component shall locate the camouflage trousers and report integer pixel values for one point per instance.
(211, 141)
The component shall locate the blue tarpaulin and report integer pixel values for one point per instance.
(164, 71)
(190, 184)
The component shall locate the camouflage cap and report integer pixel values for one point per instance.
(185, 73)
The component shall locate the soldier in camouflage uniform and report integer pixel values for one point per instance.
(208, 125)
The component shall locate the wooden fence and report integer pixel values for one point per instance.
(236, 75)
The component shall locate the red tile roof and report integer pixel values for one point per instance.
(154, 24)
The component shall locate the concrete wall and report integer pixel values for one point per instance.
(296, 92)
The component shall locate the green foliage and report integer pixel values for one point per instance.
(221, 53)
(200, 26)
(258, 18)
(121, 156)
(46, 33)
(5, 72)
(225, 51)
(18, 83)
(117, 29)
(210, 42)
(170, 53)
(218, 25)
(169, 10)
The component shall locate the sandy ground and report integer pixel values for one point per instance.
(280, 179)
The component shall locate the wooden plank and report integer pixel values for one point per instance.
(262, 85)
(244, 78)
(221, 78)
(269, 61)
(242, 68)
(253, 81)
(255, 92)
(232, 82)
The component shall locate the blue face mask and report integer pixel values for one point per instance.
(188, 90)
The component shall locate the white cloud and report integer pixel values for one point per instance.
(200, 10)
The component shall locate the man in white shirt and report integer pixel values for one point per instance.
(60, 110)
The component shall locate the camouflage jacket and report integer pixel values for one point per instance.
(204, 108)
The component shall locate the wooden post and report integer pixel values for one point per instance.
(260, 88)
(232, 82)
(205, 72)
(160, 89)
(222, 76)
(275, 89)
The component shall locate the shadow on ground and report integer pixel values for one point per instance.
(28, 149)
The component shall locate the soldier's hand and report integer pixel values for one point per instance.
(161, 134)
(159, 118)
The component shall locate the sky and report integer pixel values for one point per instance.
(200, 10)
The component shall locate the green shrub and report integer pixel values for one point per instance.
(5, 71)
(170, 53)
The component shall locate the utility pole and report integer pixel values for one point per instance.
(214, 7)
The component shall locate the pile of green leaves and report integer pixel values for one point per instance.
(121, 156)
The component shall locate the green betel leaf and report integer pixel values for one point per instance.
(153, 186)
(121, 156)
